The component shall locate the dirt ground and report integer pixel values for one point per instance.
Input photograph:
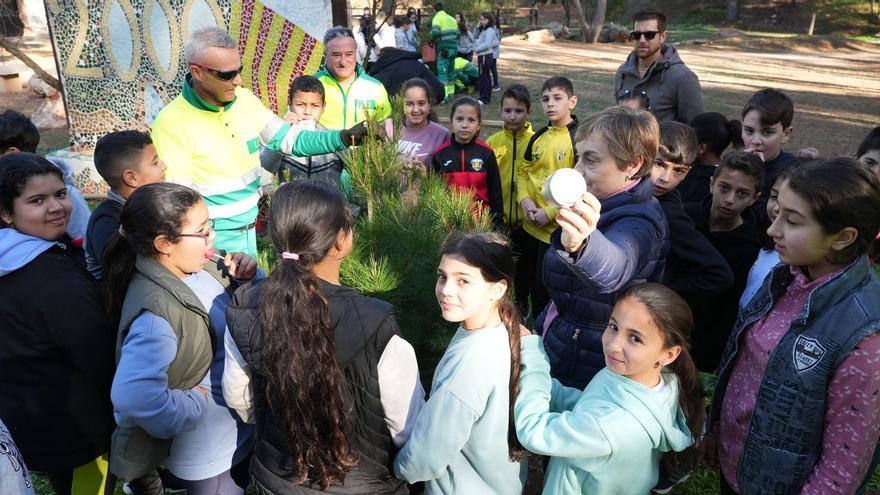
(833, 82)
(834, 85)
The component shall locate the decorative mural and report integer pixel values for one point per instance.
(121, 61)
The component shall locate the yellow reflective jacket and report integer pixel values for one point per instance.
(344, 108)
(444, 30)
(509, 149)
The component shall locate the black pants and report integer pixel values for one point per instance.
(725, 486)
(494, 70)
(484, 83)
(528, 279)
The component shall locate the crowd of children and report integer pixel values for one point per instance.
(133, 350)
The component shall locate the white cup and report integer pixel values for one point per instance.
(564, 188)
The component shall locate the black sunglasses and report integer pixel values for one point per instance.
(223, 75)
(649, 35)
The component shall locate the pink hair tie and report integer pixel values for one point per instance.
(290, 256)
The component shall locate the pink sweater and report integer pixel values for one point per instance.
(852, 418)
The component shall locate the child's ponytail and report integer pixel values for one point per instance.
(693, 404)
(305, 386)
(673, 317)
(151, 211)
(491, 253)
(511, 319)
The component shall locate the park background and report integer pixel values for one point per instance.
(831, 74)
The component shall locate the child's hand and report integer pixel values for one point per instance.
(755, 152)
(528, 207)
(240, 265)
(578, 222)
(540, 217)
(291, 118)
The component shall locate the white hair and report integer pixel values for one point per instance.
(205, 38)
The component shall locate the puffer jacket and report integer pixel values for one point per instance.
(673, 90)
(629, 246)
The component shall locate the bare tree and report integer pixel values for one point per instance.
(732, 11)
(579, 16)
(598, 20)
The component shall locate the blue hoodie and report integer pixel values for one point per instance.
(17, 249)
(607, 439)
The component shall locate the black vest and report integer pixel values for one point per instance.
(362, 328)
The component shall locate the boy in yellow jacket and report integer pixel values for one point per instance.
(549, 149)
(510, 147)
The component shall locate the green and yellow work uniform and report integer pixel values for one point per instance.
(444, 30)
(216, 151)
(466, 73)
(345, 107)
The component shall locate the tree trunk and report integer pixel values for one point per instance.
(578, 12)
(732, 11)
(50, 80)
(812, 24)
(598, 20)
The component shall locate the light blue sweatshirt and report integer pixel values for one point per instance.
(764, 263)
(459, 442)
(605, 440)
(209, 438)
(486, 41)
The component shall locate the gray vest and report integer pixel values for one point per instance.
(134, 452)
(784, 439)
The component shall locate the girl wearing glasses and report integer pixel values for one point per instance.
(169, 298)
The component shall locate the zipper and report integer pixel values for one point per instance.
(577, 332)
(511, 201)
(462, 158)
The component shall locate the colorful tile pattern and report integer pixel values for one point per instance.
(111, 66)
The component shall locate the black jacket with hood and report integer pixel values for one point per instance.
(673, 90)
(56, 355)
(714, 318)
(394, 67)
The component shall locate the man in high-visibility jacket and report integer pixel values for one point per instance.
(444, 30)
(210, 137)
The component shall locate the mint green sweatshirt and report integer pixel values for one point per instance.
(459, 442)
(604, 440)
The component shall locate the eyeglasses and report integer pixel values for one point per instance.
(337, 32)
(649, 35)
(223, 75)
(204, 235)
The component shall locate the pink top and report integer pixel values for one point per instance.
(852, 417)
(421, 143)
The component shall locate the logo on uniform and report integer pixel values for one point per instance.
(560, 155)
(477, 164)
(807, 353)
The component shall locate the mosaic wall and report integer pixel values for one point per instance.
(121, 61)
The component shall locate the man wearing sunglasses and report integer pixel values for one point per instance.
(210, 137)
(656, 70)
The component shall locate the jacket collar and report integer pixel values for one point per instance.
(358, 72)
(190, 95)
(826, 294)
(526, 128)
(173, 286)
(641, 193)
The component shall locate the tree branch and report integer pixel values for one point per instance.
(45, 76)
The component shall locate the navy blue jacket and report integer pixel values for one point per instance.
(629, 246)
(694, 268)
